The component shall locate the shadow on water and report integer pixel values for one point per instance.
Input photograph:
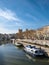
(1, 58)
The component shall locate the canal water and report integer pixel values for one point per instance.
(12, 55)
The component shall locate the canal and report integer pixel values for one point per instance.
(12, 55)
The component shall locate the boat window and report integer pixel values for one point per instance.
(32, 46)
(28, 46)
(36, 51)
(32, 50)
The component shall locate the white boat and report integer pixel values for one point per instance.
(33, 50)
(18, 44)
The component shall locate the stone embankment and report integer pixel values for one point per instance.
(43, 44)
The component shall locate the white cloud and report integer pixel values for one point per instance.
(6, 26)
(4, 30)
(8, 14)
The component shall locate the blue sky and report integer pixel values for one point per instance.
(22, 14)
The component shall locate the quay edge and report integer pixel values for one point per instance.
(26, 42)
(34, 42)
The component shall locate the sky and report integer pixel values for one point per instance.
(23, 14)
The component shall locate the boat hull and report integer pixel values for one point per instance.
(19, 44)
(34, 55)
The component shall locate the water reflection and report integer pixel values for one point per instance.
(1, 58)
(12, 55)
(37, 59)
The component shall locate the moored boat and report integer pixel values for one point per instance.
(18, 44)
(35, 52)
